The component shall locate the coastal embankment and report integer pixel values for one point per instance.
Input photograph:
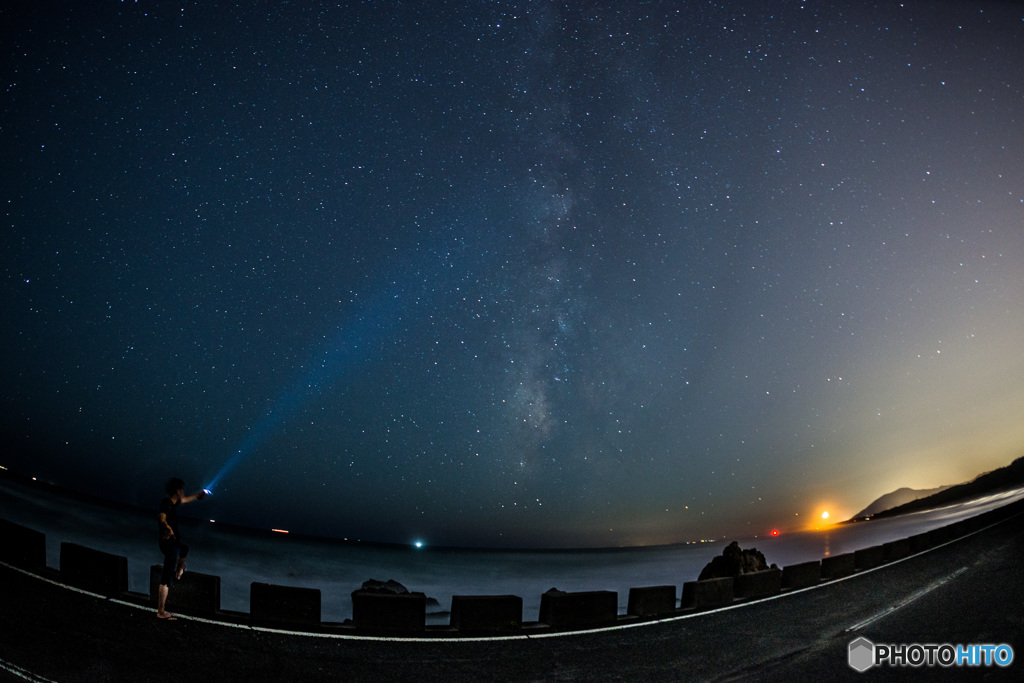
(966, 587)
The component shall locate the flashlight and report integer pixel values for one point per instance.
(207, 491)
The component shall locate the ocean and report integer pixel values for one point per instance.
(241, 557)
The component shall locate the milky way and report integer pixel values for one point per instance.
(513, 274)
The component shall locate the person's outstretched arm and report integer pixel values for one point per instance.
(198, 495)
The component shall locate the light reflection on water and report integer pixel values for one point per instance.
(338, 569)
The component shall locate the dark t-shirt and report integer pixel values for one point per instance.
(169, 508)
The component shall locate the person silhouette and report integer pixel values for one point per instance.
(171, 545)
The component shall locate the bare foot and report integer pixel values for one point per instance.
(166, 615)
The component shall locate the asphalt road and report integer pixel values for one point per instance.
(970, 591)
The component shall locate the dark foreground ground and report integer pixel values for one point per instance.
(970, 591)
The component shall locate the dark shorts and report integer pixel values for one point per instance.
(173, 551)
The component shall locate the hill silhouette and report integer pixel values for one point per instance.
(1001, 479)
(896, 498)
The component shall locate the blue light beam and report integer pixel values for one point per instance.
(323, 371)
(367, 328)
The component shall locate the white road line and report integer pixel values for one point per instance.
(909, 599)
(23, 673)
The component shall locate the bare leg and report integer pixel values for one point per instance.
(161, 602)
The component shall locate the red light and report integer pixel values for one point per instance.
(775, 532)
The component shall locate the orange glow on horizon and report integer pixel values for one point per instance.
(822, 515)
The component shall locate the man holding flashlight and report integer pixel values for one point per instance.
(173, 549)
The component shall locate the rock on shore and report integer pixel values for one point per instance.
(734, 561)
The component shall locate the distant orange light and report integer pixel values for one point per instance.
(280, 531)
(824, 515)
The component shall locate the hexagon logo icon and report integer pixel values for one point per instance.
(862, 654)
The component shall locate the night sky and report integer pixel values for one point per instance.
(512, 274)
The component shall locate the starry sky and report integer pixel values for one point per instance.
(512, 274)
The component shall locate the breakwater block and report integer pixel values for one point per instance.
(487, 612)
(801, 575)
(896, 550)
(919, 543)
(758, 584)
(21, 546)
(869, 558)
(959, 529)
(651, 601)
(708, 593)
(581, 609)
(283, 605)
(838, 566)
(1013, 508)
(975, 523)
(990, 517)
(938, 536)
(93, 570)
(193, 593)
(376, 611)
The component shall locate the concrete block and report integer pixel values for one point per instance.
(375, 611)
(283, 605)
(938, 536)
(708, 593)
(193, 593)
(919, 543)
(801, 575)
(896, 550)
(487, 612)
(758, 584)
(651, 601)
(1014, 508)
(959, 529)
(93, 570)
(579, 610)
(990, 517)
(838, 566)
(21, 546)
(869, 558)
